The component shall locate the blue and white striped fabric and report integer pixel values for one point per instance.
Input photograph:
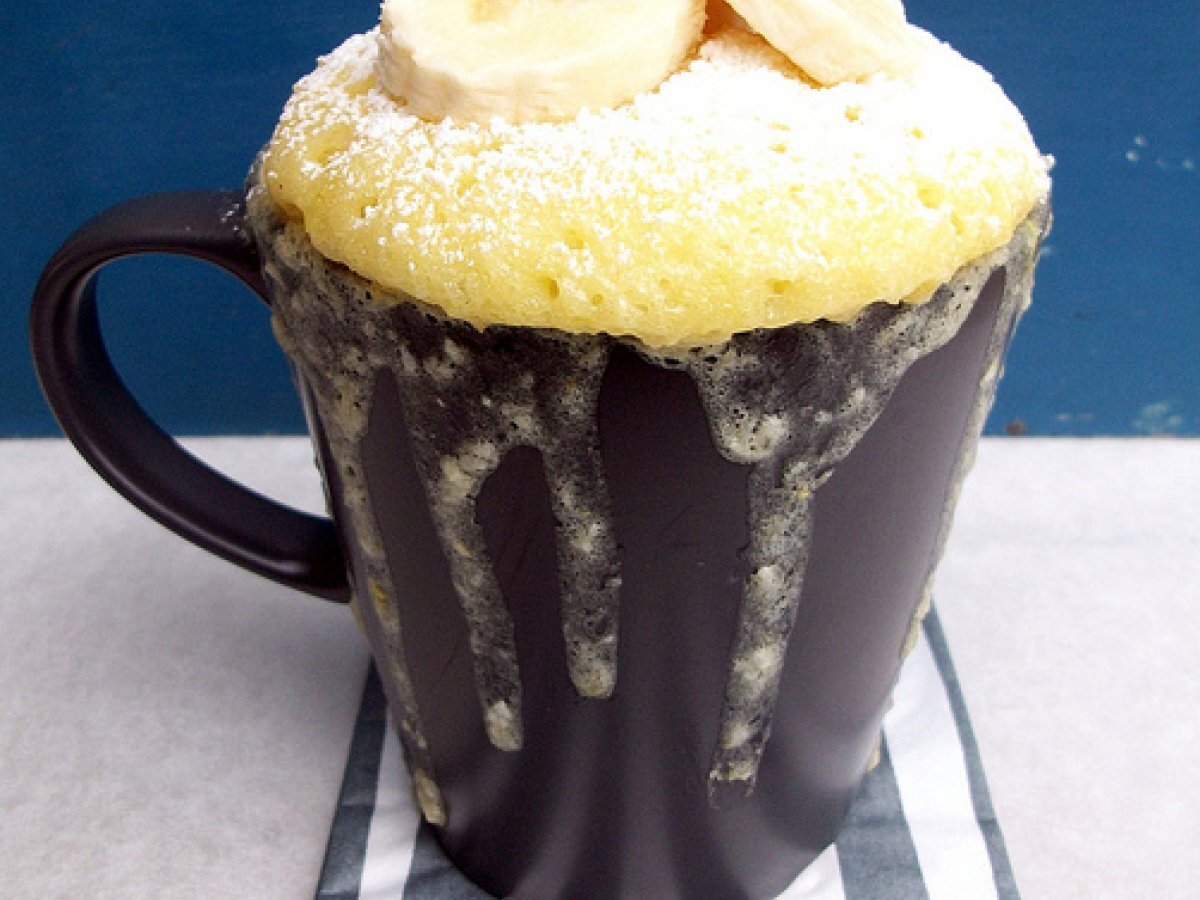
(922, 828)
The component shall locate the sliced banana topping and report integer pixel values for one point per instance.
(530, 60)
(721, 16)
(836, 40)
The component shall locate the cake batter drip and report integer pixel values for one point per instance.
(1018, 290)
(469, 397)
(338, 376)
(792, 403)
(789, 402)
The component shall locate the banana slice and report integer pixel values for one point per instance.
(721, 16)
(530, 60)
(836, 40)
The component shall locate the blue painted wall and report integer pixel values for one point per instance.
(106, 100)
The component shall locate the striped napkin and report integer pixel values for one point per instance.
(922, 827)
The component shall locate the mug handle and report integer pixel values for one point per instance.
(116, 436)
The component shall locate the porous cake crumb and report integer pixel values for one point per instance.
(738, 195)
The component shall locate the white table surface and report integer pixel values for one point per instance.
(173, 727)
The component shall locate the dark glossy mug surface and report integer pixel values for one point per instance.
(609, 798)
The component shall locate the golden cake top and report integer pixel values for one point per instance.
(738, 194)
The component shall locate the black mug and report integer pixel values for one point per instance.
(631, 650)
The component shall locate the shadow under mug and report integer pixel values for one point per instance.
(612, 797)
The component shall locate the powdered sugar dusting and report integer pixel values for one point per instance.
(737, 195)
